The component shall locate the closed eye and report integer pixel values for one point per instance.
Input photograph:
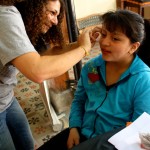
(103, 35)
(51, 12)
(116, 39)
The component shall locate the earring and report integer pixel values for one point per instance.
(129, 52)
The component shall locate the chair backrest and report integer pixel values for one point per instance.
(89, 21)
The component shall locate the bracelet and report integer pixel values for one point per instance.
(86, 52)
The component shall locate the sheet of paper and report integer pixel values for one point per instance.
(128, 138)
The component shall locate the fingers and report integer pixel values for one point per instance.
(88, 37)
(70, 145)
(76, 142)
(73, 138)
(84, 39)
(73, 143)
(97, 29)
(94, 34)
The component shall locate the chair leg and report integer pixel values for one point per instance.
(56, 124)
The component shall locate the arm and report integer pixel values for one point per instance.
(78, 106)
(38, 68)
(18, 50)
(76, 114)
(142, 97)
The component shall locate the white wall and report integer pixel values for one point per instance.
(87, 7)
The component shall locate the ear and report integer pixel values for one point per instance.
(134, 47)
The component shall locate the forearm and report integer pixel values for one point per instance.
(39, 68)
(60, 63)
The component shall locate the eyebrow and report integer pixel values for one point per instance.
(54, 11)
(117, 33)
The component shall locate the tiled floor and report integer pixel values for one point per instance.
(30, 99)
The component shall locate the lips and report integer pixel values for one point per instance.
(45, 28)
(105, 51)
(48, 26)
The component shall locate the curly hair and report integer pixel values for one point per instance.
(9, 2)
(32, 15)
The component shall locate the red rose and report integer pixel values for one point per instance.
(93, 77)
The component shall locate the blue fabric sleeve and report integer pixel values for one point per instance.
(78, 104)
(142, 96)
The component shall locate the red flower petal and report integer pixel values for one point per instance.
(93, 77)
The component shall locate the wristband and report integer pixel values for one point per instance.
(86, 52)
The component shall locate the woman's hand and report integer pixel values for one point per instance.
(95, 34)
(74, 138)
(84, 40)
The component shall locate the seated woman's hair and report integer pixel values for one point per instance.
(133, 26)
(144, 49)
(129, 22)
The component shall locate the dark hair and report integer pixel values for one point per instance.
(144, 49)
(32, 12)
(9, 2)
(130, 23)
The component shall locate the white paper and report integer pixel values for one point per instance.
(128, 138)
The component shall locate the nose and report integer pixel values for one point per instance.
(55, 20)
(105, 41)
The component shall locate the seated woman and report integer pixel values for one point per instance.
(114, 87)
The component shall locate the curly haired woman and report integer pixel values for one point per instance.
(27, 30)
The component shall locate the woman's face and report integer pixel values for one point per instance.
(115, 46)
(51, 12)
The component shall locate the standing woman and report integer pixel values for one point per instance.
(27, 30)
